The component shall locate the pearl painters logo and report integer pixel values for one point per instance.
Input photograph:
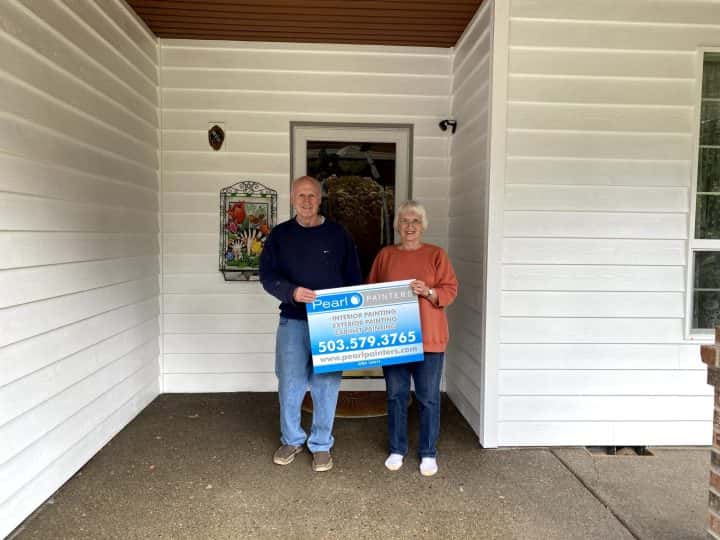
(370, 298)
(335, 302)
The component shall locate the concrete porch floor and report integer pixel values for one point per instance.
(199, 466)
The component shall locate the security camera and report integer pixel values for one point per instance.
(445, 123)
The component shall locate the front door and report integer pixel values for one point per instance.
(365, 174)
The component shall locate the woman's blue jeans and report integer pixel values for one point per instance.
(426, 376)
(293, 367)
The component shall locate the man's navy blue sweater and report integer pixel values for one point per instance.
(320, 257)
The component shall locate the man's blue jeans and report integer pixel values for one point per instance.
(426, 375)
(293, 367)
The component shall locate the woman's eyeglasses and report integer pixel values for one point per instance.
(407, 222)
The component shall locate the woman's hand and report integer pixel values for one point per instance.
(301, 294)
(421, 288)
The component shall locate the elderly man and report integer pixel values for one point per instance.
(302, 254)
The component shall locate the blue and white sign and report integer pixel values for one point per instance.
(365, 326)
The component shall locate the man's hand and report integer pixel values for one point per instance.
(301, 294)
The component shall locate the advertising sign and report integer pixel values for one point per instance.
(365, 326)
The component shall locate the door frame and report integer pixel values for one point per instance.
(400, 134)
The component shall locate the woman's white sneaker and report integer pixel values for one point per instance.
(394, 462)
(428, 466)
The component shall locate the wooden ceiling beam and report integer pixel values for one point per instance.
(407, 6)
(288, 26)
(147, 13)
(297, 35)
(308, 13)
(336, 41)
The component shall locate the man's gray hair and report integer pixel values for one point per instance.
(309, 179)
(412, 207)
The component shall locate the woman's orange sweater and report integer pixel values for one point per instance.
(430, 264)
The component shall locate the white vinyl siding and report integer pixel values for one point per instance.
(467, 228)
(220, 336)
(601, 102)
(79, 271)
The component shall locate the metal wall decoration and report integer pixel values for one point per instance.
(216, 137)
(248, 211)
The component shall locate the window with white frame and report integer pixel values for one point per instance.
(705, 236)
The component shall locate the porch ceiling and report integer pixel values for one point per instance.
(424, 23)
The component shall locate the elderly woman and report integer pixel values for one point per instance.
(435, 283)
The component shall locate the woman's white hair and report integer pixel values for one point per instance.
(412, 207)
